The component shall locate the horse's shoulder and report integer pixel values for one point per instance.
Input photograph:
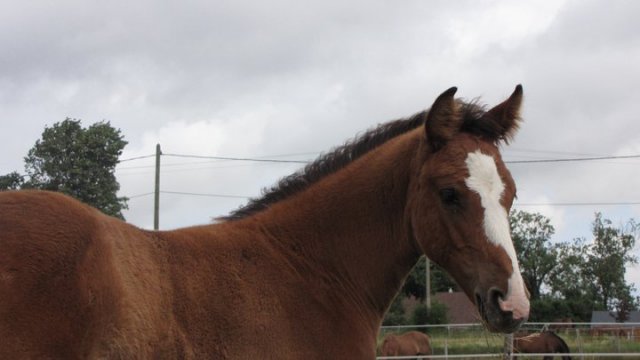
(50, 229)
(42, 205)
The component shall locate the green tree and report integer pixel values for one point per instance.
(11, 181)
(623, 306)
(437, 315)
(590, 275)
(415, 284)
(79, 162)
(570, 284)
(531, 233)
(607, 259)
(568, 280)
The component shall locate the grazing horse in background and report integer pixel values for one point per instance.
(306, 271)
(409, 343)
(546, 342)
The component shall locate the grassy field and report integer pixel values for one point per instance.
(478, 341)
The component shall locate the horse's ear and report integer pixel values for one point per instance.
(443, 120)
(506, 116)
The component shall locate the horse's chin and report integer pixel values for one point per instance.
(503, 323)
(495, 319)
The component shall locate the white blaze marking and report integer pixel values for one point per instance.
(485, 180)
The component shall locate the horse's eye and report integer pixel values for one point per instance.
(449, 196)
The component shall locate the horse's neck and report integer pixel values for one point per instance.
(350, 227)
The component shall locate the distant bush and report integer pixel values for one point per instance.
(437, 315)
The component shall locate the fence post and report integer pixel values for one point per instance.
(427, 276)
(508, 347)
(579, 342)
(446, 347)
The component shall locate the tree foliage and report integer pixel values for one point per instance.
(531, 233)
(79, 162)
(607, 258)
(11, 181)
(422, 315)
(590, 274)
(567, 280)
(415, 284)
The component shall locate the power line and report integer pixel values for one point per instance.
(207, 195)
(268, 160)
(229, 158)
(191, 194)
(170, 164)
(605, 203)
(526, 150)
(265, 160)
(214, 159)
(593, 158)
(563, 204)
(137, 158)
(139, 195)
(237, 158)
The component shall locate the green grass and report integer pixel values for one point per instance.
(478, 341)
(602, 344)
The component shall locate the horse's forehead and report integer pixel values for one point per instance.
(464, 144)
(485, 160)
(484, 176)
(455, 160)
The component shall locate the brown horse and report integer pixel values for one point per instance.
(306, 271)
(546, 342)
(562, 324)
(409, 343)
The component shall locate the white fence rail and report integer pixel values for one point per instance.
(528, 325)
(604, 340)
(502, 356)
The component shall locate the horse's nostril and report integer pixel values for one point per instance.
(495, 295)
(497, 311)
(480, 305)
(478, 299)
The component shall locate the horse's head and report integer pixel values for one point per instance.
(459, 203)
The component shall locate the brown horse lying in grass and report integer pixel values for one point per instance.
(409, 343)
(546, 342)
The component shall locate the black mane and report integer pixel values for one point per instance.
(341, 156)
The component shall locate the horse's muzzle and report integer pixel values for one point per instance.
(496, 319)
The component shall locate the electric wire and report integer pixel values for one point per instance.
(593, 158)
(271, 160)
(238, 158)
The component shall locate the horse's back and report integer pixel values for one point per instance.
(64, 271)
(409, 343)
(421, 341)
(544, 342)
(75, 283)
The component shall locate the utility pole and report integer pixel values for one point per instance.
(428, 280)
(156, 200)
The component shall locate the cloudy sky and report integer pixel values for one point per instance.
(290, 79)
